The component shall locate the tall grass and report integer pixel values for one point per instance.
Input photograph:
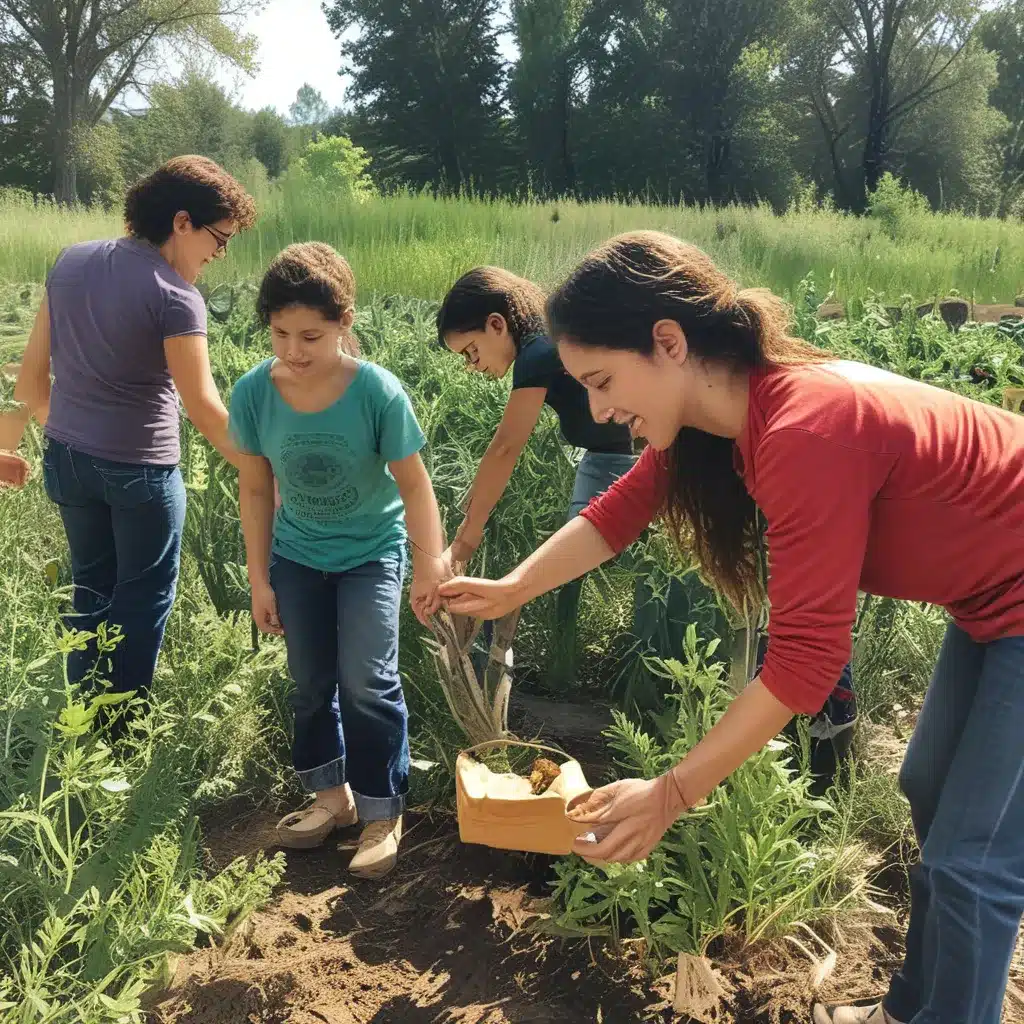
(416, 245)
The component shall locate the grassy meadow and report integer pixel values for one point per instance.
(101, 866)
(415, 245)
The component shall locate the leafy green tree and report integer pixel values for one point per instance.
(950, 151)
(863, 68)
(101, 165)
(93, 50)
(680, 97)
(334, 163)
(546, 84)
(427, 84)
(1002, 32)
(191, 115)
(270, 141)
(309, 108)
(25, 115)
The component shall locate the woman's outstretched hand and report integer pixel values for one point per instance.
(626, 818)
(14, 470)
(483, 599)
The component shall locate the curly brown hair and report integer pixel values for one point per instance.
(486, 290)
(613, 299)
(309, 274)
(195, 184)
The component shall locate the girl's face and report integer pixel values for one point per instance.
(306, 341)
(646, 392)
(489, 351)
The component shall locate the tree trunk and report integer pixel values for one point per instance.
(717, 151)
(65, 184)
(876, 142)
(565, 115)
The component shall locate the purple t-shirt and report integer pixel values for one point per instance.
(112, 304)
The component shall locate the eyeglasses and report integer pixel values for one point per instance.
(222, 241)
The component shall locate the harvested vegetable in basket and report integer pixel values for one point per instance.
(542, 774)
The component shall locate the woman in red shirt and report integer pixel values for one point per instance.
(867, 481)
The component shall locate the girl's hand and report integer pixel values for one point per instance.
(627, 819)
(483, 599)
(427, 576)
(14, 470)
(264, 609)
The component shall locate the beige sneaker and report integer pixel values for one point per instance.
(852, 1015)
(378, 849)
(309, 827)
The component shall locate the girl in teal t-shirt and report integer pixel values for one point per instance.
(341, 439)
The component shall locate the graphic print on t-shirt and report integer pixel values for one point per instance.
(317, 477)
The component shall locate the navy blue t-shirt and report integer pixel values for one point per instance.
(538, 366)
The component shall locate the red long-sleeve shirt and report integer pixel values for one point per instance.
(867, 481)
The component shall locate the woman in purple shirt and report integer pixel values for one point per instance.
(122, 327)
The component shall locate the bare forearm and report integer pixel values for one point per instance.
(12, 427)
(491, 480)
(35, 397)
(574, 550)
(753, 719)
(423, 523)
(256, 507)
(211, 420)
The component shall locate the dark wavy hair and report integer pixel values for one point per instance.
(613, 299)
(486, 290)
(309, 274)
(195, 184)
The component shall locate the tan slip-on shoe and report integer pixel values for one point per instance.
(378, 849)
(309, 827)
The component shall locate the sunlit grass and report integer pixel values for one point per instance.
(416, 245)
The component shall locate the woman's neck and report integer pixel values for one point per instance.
(718, 400)
(167, 250)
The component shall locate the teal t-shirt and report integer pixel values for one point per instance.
(340, 505)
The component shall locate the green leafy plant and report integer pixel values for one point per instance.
(759, 857)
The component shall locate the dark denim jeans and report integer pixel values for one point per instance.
(964, 777)
(351, 722)
(123, 524)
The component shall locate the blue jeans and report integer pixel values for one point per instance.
(123, 524)
(964, 777)
(351, 722)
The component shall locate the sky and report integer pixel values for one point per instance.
(296, 47)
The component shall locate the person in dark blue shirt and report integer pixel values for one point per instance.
(494, 320)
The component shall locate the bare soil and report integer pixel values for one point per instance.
(447, 938)
(456, 935)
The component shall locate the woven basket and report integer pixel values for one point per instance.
(500, 810)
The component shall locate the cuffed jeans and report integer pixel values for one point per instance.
(351, 722)
(123, 524)
(963, 775)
